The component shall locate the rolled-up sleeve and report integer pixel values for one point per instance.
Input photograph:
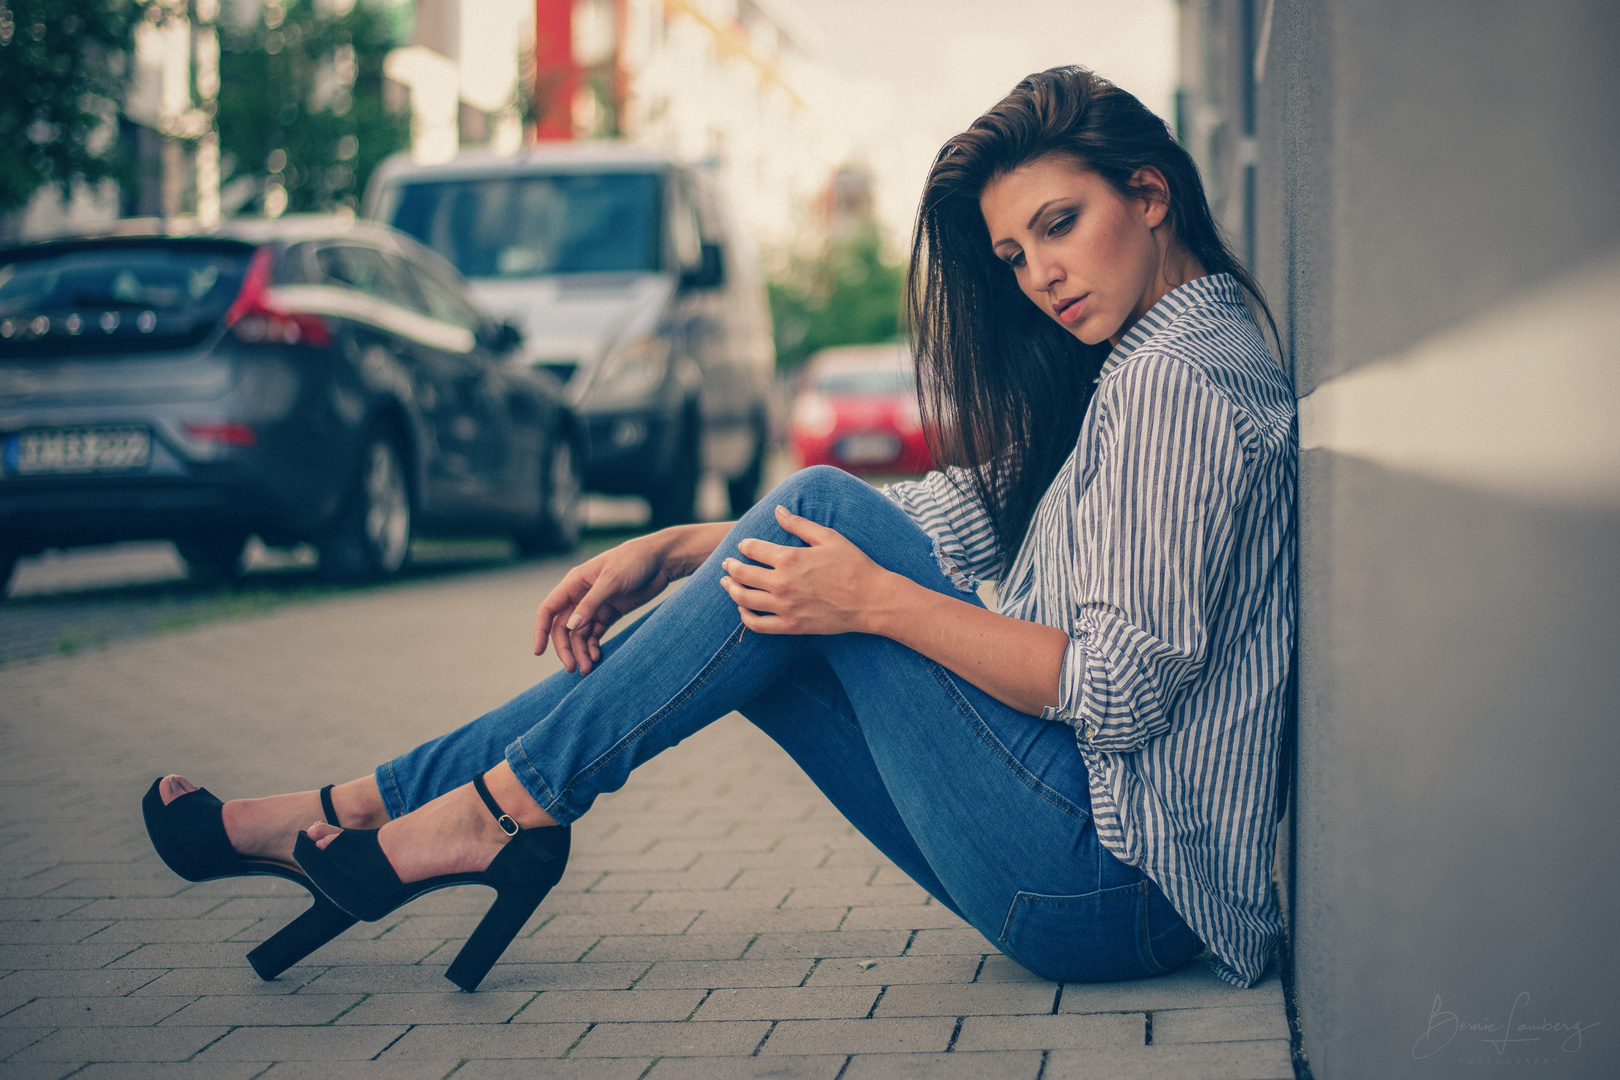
(1154, 526)
(944, 506)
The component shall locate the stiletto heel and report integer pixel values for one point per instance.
(355, 875)
(189, 836)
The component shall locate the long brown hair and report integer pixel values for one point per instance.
(1002, 386)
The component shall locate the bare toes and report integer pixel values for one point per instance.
(322, 833)
(173, 787)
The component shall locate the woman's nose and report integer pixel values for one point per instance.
(1045, 274)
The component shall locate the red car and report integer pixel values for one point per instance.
(857, 409)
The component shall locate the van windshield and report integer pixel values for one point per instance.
(525, 226)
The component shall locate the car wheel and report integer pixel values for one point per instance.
(562, 505)
(372, 539)
(743, 491)
(213, 559)
(674, 501)
(8, 565)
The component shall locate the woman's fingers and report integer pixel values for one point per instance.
(805, 529)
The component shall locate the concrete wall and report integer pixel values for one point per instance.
(1435, 215)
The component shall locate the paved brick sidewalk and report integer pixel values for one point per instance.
(718, 918)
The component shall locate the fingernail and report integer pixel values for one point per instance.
(574, 620)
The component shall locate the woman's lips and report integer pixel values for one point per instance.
(1069, 311)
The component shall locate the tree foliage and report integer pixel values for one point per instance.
(846, 295)
(307, 82)
(63, 66)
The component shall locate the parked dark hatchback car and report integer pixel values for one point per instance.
(307, 379)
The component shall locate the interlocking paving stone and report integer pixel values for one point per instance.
(96, 1012)
(485, 1007)
(1052, 1032)
(1014, 1065)
(175, 1070)
(282, 1043)
(88, 984)
(669, 974)
(822, 1067)
(1193, 986)
(948, 942)
(694, 1039)
(484, 1040)
(823, 944)
(426, 1069)
(860, 1036)
(650, 947)
(47, 932)
(566, 1069)
(120, 1044)
(768, 920)
(999, 969)
(972, 999)
(895, 969)
(791, 1003)
(260, 1010)
(1238, 1023)
(172, 931)
(599, 1006)
(903, 917)
(61, 957)
(1211, 1061)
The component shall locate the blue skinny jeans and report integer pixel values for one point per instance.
(985, 807)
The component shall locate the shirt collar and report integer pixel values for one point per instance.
(1212, 288)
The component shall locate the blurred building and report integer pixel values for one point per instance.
(1427, 193)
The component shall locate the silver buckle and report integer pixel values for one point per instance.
(508, 826)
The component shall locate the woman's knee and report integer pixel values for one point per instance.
(820, 492)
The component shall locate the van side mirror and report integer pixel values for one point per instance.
(710, 273)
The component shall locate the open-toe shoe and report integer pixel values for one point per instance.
(189, 835)
(355, 874)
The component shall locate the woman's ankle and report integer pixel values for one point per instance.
(359, 804)
(514, 799)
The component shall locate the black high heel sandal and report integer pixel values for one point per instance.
(355, 874)
(189, 835)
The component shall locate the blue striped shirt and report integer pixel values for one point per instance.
(1164, 548)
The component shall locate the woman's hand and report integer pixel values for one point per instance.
(599, 592)
(827, 588)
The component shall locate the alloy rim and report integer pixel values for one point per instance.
(388, 509)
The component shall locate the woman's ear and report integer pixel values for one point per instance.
(1153, 190)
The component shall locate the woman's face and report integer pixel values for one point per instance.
(1089, 257)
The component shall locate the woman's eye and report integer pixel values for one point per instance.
(1015, 260)
(1061, 225)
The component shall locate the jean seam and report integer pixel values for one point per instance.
(549, 801)
(636, 733)
(399, 796)
(1027, 778)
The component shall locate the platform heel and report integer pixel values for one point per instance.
(355, 875)
(189, 836)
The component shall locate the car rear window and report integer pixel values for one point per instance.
(525, 226)
(864, 383)
(70, 300)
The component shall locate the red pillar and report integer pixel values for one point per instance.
(556, 75)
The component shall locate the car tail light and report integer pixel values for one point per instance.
(814, 415)
(253, 318)
(224, 432)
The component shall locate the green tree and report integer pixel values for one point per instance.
(301, 101)
(62, 69)
(846, 295)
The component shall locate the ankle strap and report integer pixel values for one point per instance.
(502, 818)
(327, 808)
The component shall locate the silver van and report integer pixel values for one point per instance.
(630, 285)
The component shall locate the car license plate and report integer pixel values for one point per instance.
(78, 450)
(864, 449)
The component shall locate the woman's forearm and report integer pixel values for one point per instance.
(1014, 661)
(685, 547)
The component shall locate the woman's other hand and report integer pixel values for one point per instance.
(599, 592)
(828, 587)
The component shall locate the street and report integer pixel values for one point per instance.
(718, 918)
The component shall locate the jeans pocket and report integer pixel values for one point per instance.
(1094, 937)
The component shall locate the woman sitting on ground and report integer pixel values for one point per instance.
(1087, 775)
